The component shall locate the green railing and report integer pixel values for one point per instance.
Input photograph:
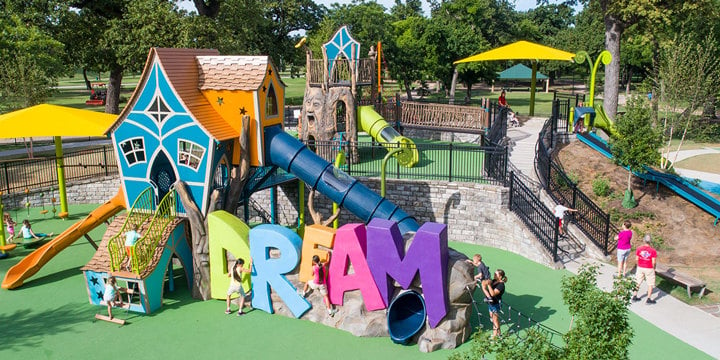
(142, 209)
(144, 248)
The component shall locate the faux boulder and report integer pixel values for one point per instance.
(352, 317)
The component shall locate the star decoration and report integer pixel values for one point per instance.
(99, 295)
(220, 101)
(264, 88)
(243, 111)
(270, 72)
(94, 280)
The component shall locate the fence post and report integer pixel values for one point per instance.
(574, 198)
(451, 163)
(510, 197)
(7, 178)
(556, 236)
(606, 235)
(105, 159)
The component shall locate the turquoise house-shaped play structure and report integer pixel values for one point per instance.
(182, 123)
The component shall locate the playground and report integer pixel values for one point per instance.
(50, 317)
(192, 147)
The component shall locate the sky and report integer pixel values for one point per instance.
(520, 5)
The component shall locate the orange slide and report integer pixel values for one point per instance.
(32, 263)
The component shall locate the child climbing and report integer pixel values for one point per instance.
(482, 275)
(28, 233)
(112, 295)
(318, 283)
(236, 285)
(131, 237)
(9, 226)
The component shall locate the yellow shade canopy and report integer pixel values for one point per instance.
(521, 50)
(54, 120)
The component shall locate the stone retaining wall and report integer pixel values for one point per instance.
(90, 191)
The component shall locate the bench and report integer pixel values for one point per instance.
(674, 275)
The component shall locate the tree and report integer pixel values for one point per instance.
(406, 54)
(688, 75)
(30, 63)
(600, 328)
(638, 143)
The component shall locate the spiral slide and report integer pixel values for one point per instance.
(675, 183)
(373, 123)
(32, 263)
(294, 157)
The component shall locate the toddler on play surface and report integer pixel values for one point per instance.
(112, 295)
(236, 285)
(482, 275)
(131, 237)
(9, 226)
(28, 233)
(318, 282)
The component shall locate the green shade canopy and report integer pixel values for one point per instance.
(519, 72)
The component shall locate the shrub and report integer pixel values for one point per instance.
(601, 186)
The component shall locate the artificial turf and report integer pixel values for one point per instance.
(50, 317)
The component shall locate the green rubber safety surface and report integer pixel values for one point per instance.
(50, 318)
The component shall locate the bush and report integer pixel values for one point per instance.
(601, 186)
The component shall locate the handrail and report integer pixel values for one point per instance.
(141, 210)
(144, 248)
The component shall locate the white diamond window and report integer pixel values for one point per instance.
(159, 110)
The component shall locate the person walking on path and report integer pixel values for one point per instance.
(495, 305)
(560, 214)
(624, 246)
(646, 256)
(236, 286)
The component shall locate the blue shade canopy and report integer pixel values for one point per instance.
(519, 72)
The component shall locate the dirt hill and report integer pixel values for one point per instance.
(686, 236)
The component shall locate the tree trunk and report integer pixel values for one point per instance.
(613, 31)
(709, 107)
(207, 8)
(453, 84)
(88, 85)
(239, 174)
(112, 99)
(408, 91)
(629, 80)
(468, 92)
(200, 248)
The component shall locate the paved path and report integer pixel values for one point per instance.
(524, 139)
(690, 324)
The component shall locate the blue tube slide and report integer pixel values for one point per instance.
(291, 155)
(406, 316)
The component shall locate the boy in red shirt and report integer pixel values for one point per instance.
(646, 256)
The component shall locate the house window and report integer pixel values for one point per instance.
(271, 103)
(159, 110)
(190, 154)
(134, 150)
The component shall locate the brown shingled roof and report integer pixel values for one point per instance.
(231, 72)
(181, 68)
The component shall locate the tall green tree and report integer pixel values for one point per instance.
(406, 54)
(30, 62)
(638, 143)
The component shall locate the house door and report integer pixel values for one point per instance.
(162, 176)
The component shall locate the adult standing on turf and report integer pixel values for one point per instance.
(646, 256)
(623, 247)
(494, 306)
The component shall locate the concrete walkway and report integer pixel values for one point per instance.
(523, 140)
(690, 324)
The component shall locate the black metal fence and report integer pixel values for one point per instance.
(590, 218)
(446, 162)
(41, 173)
(534, 214)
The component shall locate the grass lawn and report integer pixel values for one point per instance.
(707, 163)
(49, 317)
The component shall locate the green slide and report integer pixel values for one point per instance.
(603, 122)
(373, 123)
